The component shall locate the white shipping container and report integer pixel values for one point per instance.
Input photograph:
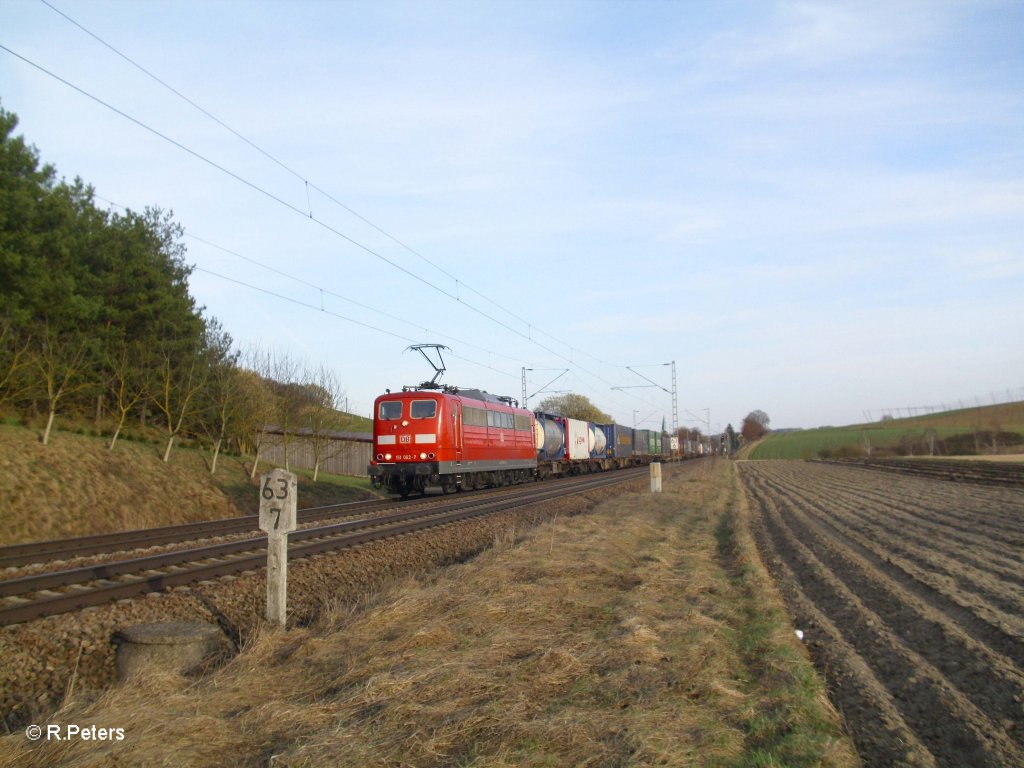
(578, 443)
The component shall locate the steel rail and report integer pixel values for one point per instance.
(194, 564)
(53, 579)
(40, 552)
(103, 543)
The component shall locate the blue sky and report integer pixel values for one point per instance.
(814, 209)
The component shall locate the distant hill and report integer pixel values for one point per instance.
(992, 429)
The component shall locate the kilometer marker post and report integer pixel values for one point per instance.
(278, 493)
(655, 477)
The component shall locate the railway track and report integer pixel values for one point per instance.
(42, 552)
(1002, 474)
(99, 544)
(45, 594)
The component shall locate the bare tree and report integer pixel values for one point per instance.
(130, 380)
(321, 416)
(179, 379)
(289, 398)
(997, 427)
(59, 362)
(259, 401)
(224, 387)
(255, 391)
(755, 425)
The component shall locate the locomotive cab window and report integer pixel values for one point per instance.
(391, 411)
(423, 409)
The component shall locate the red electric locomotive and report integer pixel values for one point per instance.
(450, 438)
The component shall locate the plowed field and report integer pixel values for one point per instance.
(910, 593)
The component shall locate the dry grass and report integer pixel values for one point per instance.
(75, 486)
(617, 638)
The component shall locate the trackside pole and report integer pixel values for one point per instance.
(655, 477)
(278, 493)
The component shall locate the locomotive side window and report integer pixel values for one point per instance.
(423, 409)
(391, 411)
(499, 420)
(474, 417)
(522, 423)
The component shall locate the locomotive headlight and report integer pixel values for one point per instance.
(380, 456)
(423, 456)
(387, 457)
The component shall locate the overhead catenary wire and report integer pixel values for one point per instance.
(370, 326)
(363, 324)
(308, 214)
(267, 193)
(228, 172)
(307, 305)
(308, 185)
(329, 292)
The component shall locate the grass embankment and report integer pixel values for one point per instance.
(987, 430)
(75, 486)
(646, 633)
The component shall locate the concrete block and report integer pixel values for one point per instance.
(173, 646)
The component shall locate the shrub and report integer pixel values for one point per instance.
(850, 452)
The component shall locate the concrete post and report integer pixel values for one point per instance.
(278, 493)
(655, 477)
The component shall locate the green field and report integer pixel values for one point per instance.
(972, 431)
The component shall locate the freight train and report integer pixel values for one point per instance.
(460, 439)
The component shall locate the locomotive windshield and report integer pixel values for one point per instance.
(423, 409)
(391, 410)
